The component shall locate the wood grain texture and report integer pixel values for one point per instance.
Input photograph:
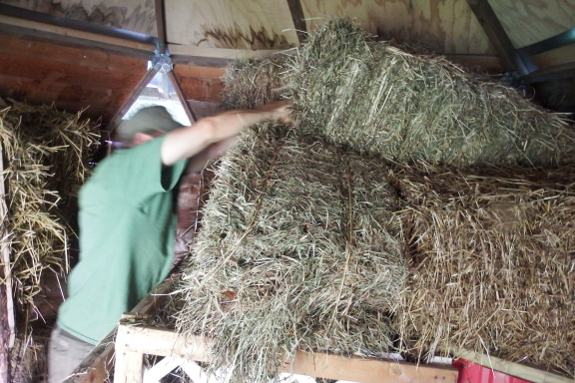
(444, 26)
(555, 57)
(81, 56)
(72, 78)
(133, 15)
(148, 340)
(256, 24)
(528, 22)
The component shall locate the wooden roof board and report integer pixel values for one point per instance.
(446, 27)
(134, 15)
(236, 24)
(529, 22)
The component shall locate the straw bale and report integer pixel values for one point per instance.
(45, 153)
(492, 266)
(298, 249)
(381, 99)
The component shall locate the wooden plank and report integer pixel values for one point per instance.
(365, 370)
(256, 24)
(53, 71)
(48, 92)
(443, 27)
(84, 56)
(556, 57)
(129, 367)
(528, 22)
(221, 53)
(182, 70)
(74, 33)
(132, 15)
(514, 369)
(146, 340)
(201, 89)
(298, 19)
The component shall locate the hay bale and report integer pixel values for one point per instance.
(382, 100)
(492, 266)
(298, 249)
(250, 83)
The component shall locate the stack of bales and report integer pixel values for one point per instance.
(338, 234)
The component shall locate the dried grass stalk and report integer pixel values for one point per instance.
(298, 249)
(46, 156)
(492, 265)
(249, 83)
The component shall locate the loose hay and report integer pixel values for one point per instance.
(492, 267)
(249, 84)
(45, 161)
(297, 250)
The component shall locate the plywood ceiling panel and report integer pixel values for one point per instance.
(529, 22)
(446, 27)
(133, 15)
(254, 24)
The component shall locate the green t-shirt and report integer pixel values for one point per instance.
(127, 223)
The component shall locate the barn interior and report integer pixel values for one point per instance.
(80, 67)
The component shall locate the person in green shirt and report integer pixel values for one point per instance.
(127, 227)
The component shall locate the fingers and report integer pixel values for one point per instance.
(280, 109)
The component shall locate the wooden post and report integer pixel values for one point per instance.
(129, 366)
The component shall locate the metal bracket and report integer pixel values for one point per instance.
(162, 62)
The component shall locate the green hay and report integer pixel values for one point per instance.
(297, 250)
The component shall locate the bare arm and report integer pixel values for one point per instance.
(190, 141)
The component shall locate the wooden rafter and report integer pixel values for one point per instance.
(298, 18)
(510, 58)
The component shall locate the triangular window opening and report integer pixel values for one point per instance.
(160, 91)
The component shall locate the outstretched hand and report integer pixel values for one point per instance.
(280, 109)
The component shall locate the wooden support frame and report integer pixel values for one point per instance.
(134, 341)
(494, 30)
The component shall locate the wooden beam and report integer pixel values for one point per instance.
(162, 342)
(514, 369)
(298, 18)
(74, 36)
(559, 72)
(183, 51)
(498, 37)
